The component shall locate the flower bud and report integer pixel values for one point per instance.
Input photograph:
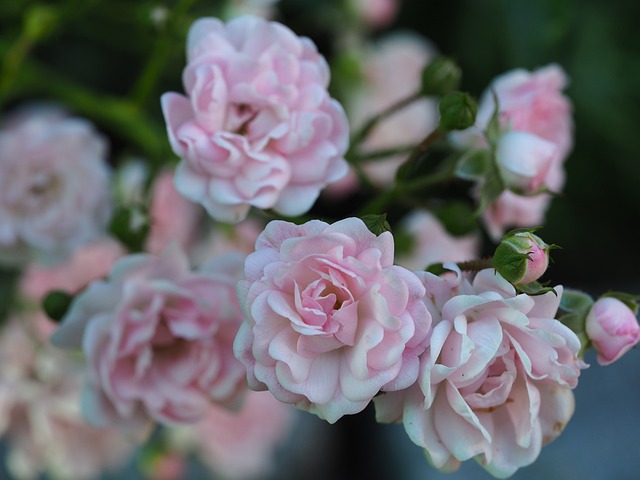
(440, 76)
(612, 328)
(521, 257)
(457, 111)
(524, 160)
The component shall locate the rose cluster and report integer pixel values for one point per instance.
(213, 328)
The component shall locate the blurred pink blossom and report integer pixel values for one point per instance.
(257, 127)
(40, 389)
(534, 103)
(496, 380)
(172, 217)
(54, 184)
(239, 444)
(613, 329)
(391, 69)
(524, 160)
(377, 13)
(158, 339)
(330, 321)
(433, 244)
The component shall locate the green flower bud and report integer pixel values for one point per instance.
(440, 77)
(521, 257)
(457, 111)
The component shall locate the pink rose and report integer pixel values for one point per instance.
(330, 321)
(257, 127)
(172, 217)
(377, 13)
(40, 416)
(495, 381)
(433, 244)
(405, 54)
(523, 160)
(54, 184)
(158, 339)
(532, 103)
(239, 444)
(613, 329)
(87, 263)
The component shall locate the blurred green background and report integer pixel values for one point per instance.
(111, 60)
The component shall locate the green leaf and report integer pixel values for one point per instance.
(535, 288)
(473, 165)
(131, 226)
(490, 190)
(457, 111)
(56, 304)
(574, 301)
(457, 217)
(376, 224)
(628, 299)
(436, 269)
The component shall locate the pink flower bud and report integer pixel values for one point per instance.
(613, 329)
(524, 160)
(521, 257)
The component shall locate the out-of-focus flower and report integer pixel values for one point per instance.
(54, 184)
(613, 329)
(222, 239)
(496, 380)
(523, 160)
(376, 13)
(391, 70)
(534, 103)
(239, 444)
(433, 244)
(330, 321)
(172, 217)
(257, 127)
(158, 339)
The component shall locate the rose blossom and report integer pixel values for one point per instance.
(330, 321)
(40, 416)
(54, 184)
(534, 103)
(432, 242)
(172, 217)
(158, 339)
(613, 329)
(377, 13)
(495, 381)
(405, 54)
(523, 160)
(257, 127)
(238, 444)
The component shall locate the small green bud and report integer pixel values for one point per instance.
(56, 304)
(457, 111)
(521, 257)
(440, 77)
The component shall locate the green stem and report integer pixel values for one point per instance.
(381, 154)
(379, 204)
(119, 115)
(365, 130)
(148, 78)
(476, 265)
